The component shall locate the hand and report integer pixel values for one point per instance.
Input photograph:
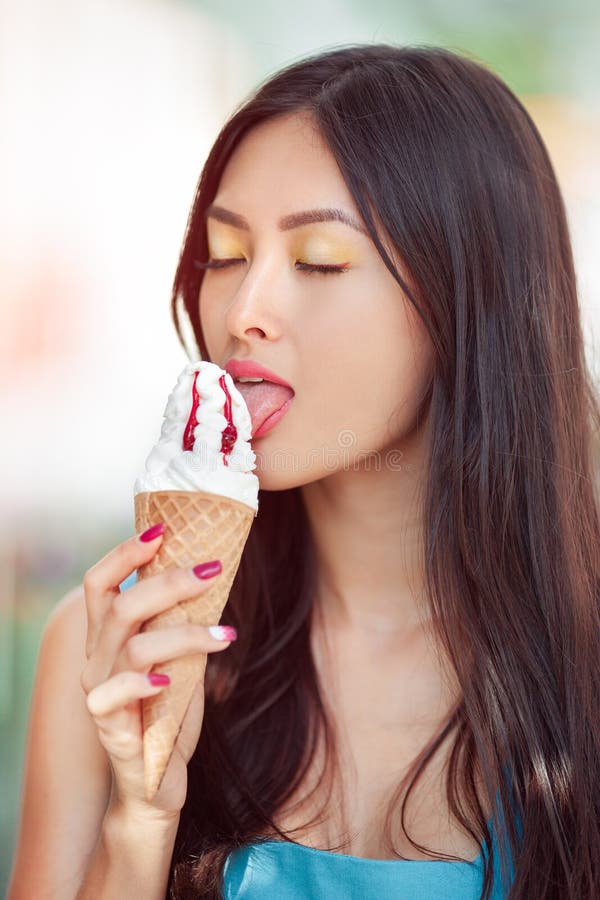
(119, 658)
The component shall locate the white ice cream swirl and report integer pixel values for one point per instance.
(204, 467)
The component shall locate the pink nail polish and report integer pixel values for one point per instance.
(151, 533)
(157, 679)
(223, 632)
(208, 569)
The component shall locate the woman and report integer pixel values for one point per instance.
(410, 708)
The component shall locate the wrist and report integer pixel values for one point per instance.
(132, 817)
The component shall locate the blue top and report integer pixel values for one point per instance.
(288, 871)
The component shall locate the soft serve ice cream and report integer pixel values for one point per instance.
(204, 443)
(198, 483)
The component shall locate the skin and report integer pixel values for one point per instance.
(359, 360)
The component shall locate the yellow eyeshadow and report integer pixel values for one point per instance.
(221, 249)
(311, 250)
(319, 251)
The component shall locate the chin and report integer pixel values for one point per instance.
(276, 472)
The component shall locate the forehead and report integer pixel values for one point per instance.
(282, 165)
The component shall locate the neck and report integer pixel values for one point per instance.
(367, 529)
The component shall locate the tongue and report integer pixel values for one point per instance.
(262, 399)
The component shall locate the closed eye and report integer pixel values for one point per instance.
(309, 268)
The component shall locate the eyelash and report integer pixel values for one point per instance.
(304, 267)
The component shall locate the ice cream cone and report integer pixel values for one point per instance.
(199, 526)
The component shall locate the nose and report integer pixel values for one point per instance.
(251, 314)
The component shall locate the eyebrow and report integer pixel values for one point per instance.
(294, 220)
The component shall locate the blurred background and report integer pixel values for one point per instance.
(108, 110)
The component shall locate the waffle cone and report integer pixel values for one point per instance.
(199, 526)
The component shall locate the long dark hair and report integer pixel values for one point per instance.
(454, 167)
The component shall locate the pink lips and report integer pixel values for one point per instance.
(267, 401)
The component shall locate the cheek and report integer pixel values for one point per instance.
(211, 323)
(368, 367)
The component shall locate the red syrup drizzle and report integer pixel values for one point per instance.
(229, 436)
(230, 431)
(188, 434)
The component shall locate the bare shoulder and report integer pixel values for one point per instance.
(66, 772)
(70, 611)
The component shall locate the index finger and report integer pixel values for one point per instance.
(101, 581)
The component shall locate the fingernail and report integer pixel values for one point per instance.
(157, 679)
(208, 569)
(223, 632)
(152, 532)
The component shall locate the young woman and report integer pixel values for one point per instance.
(410, 708)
